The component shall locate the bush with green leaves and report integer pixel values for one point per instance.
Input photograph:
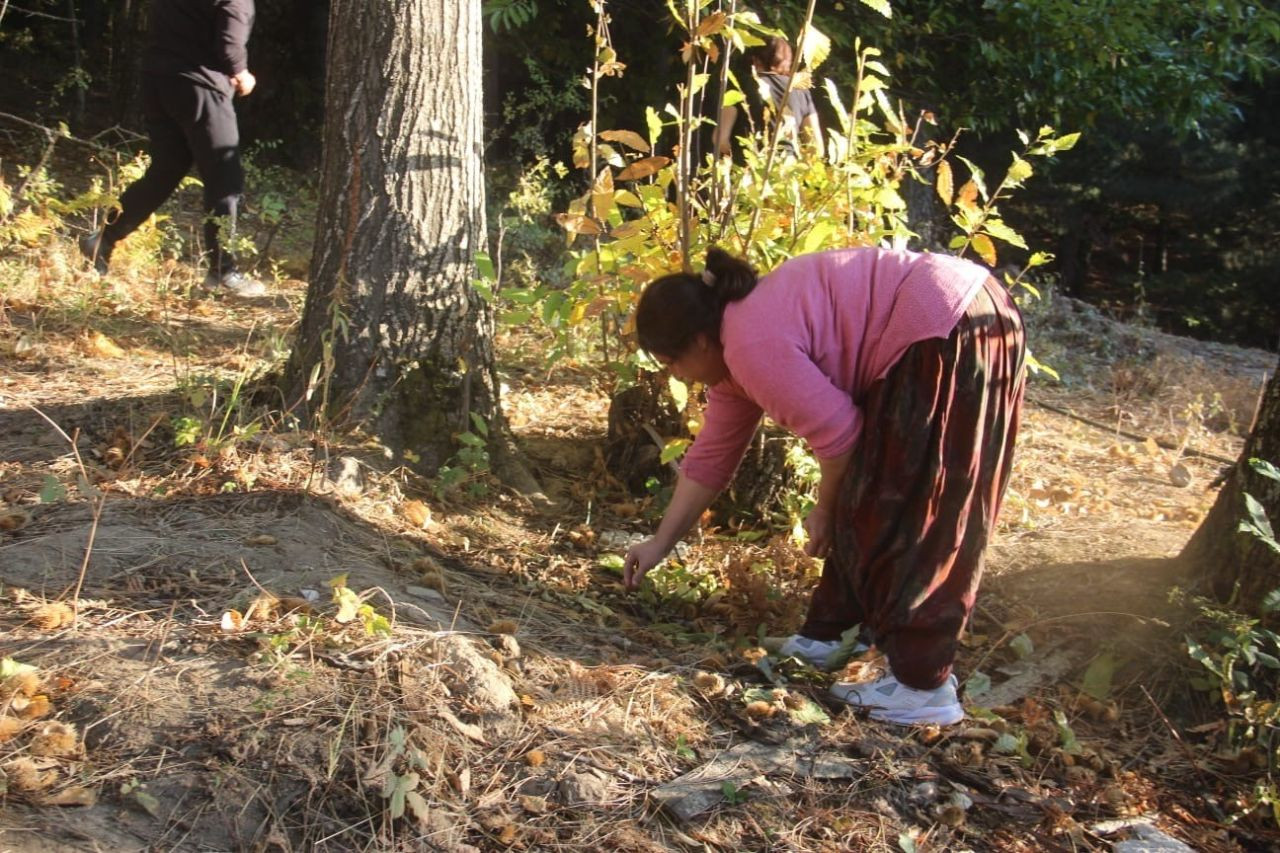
(1238, 659)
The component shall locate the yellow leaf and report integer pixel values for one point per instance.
(628, 229)
(642, 168)
(348, 605)
(985, 248)
(627, 198)
(945, 189)
(629, 138)
(968, 195)
(602, 205)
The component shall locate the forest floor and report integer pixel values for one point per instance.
(194, 604)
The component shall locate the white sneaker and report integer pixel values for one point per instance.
(816, 653)
(891, 701)
(235, 283)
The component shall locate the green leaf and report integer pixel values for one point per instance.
(977, 176)
(148, 802)
(883, 7)
(1198, 654)
(10, 667)
(1018, 172)
(1257, 524)
(674, 449)
(817, 47)
(977, 684)
(1022, 646)
(484, 266)
(679, 392)
(809, 713)
(816, 239)
(850, 639)
(1265, 468)
(1066, 143)
(996, 228)
(1065, 734)
(1006, 744)
(52, 491)
(654, 122)
(1270, 602)
(612, 562)
(1097, 678)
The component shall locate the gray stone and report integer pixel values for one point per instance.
(583, 789)
(344, 473)
(1148, 839)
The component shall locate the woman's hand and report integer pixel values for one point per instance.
(640, 559)
(818, 526)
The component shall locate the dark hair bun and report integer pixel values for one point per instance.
(732, 278)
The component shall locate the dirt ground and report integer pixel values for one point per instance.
(206, 689)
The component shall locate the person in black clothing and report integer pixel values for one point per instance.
(196, 62)
(771, 67)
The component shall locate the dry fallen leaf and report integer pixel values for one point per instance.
(76, 795)
(416, 513)
(26, 774)
(535, 758)
(14, 519)
(10, 726)
(52, 616)
(37, 707)
(55, 740)
(232, 621)
(101, 345)
(264, 608)
(260, 539)
(533, 805)
(24, 683)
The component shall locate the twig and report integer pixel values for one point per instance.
(1186, 750)
(98, 501)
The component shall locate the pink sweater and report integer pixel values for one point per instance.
(811, 339)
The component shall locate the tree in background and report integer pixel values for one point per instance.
(393, 335)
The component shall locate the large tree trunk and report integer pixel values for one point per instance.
(1225, 558)
(393, 335)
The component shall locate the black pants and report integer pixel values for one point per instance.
(188, 123)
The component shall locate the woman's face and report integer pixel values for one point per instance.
(702, 361)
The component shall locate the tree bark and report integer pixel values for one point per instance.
(1229, 564)
(393, 335)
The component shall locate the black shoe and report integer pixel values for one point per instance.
(97, 250)
(235, 283)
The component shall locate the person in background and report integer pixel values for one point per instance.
(801, 129)
(904, 372)
(196, 61)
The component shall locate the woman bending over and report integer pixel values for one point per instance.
(904, 372)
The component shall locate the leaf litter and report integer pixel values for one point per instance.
(518, 697)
